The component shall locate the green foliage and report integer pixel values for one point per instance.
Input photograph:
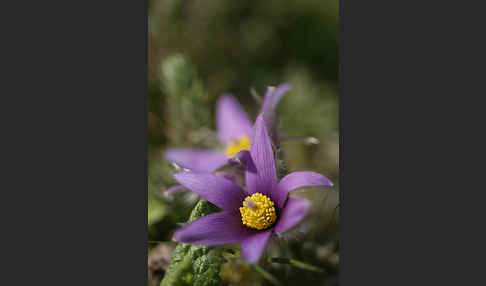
(179, 78)
(196, 265)
(188, 108)
(156, 210)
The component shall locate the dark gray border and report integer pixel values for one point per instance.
(75, 136)
(409, 212)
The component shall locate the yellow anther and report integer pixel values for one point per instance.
(242, 143)
(258, 211)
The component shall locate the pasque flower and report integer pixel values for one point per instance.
(248, 217)
(234, 131)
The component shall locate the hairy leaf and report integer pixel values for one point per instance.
(195, 264)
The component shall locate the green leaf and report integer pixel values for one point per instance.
(195, 264)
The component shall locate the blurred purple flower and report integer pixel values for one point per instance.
(248, 217)
(234, 131)
(270, 101)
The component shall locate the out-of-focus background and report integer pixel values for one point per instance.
(200, 49)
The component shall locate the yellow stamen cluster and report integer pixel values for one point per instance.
(242, 143)
(258, 211)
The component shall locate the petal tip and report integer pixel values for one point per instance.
(286, 86)
(327, 182)
(259, 117)
(177, 236)
(167, 154)
(225, 97)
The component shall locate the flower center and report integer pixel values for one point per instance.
(242, 143)
(258, 211)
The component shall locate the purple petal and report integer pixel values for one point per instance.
(261, 175)
(296, 180)
(232, 121)
(293, 212)
(219, 191)
(252, 247)
(273, 96)
(198, 160)
(270, 101)
(226, 175)
(213, 229)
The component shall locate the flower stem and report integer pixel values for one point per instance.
(295, 263)
(267, 275)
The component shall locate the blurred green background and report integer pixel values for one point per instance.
(199, 49)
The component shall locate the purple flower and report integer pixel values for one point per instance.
(248, 217)
(234, 131)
